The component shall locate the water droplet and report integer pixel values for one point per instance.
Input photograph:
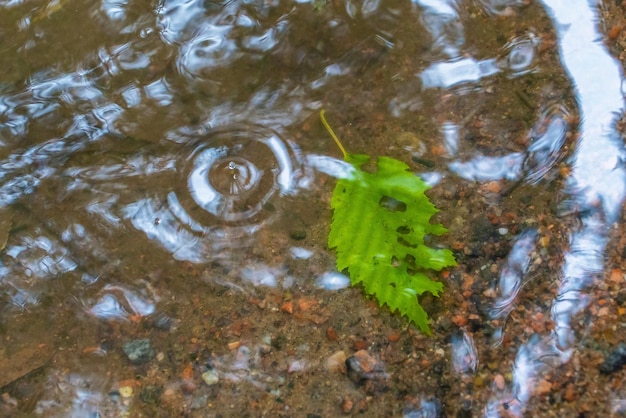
(226, 180)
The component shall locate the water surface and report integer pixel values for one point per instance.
(164, 176)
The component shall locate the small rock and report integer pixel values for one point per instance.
(199, 403)
(615, 361)
(333, 281)
(365, 369)
(337, 362)
(360, 365)
(394, 336)
(139, 351)
(347, 405)
(162, 322)
(210, 377)
(297, 235)
(360, 345)
(188, 387)
(498, 381)
(331, 334)
(297, 366)
(264, 349)
(126, 391)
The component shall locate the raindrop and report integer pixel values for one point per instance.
(228, 186)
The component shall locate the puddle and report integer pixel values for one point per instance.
(165, 188)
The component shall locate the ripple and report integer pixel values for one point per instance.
(228, 187)
(501, 7)
(519, 55)
(29, 264)
(236, 173)
(208, 49)
(547, 137)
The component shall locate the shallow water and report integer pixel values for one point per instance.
(164, 176)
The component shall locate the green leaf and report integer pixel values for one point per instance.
(379, 223)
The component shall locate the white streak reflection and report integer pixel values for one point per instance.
(596, 187)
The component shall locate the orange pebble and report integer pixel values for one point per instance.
(394, 336)
(331, 334)
(287, 307)
(306, 304)
(360, 345)
(615, 31)
(187, 373)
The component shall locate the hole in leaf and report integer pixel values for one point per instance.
(391, 204)
(394, 261)
(411, 267)
(404, 230)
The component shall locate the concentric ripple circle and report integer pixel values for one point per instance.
(227, 185)
(232, 177)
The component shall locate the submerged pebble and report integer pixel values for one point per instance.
(126, 391)
(297, 366)
(210, 377)
(333, 281)
(363, 369)
(139, 351)
(336, 362)
(615, 361)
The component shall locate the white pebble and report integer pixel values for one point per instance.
(210, 377)
(333, 281)
(301, 253)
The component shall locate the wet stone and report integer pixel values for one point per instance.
(363, 369)
(162, 322)
(139, 351)
(126, 391)
(200, 402)
(297, 235)
(483, 230)
(336, 362)
(210, 377)
(615, 361)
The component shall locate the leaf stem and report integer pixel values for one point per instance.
(332, 134)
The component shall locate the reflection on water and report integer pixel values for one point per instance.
(177, 142)
(596, 189)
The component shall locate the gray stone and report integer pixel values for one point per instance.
(139, 351)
